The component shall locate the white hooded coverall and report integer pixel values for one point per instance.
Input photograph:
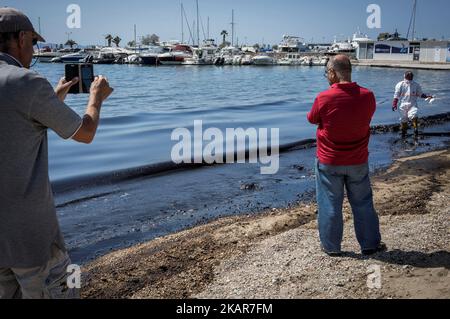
(408, 92)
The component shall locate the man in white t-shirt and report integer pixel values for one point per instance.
(407, 93)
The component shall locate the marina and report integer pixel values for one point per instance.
(393, 52)
(388, 50)
(182, 54)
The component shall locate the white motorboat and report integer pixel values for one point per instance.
(247, 59)
(291, 59)
(307, 61)
(342, 46)
(149, 56)
(176, 56)
(285, 61)
(47, 57)
(317, 61)
(77, 57)
(109, 55)
(289, 62)
(202, 56)
(133, 59)
(237, 60)
(263, 60)
(291, 44)
(231, 55)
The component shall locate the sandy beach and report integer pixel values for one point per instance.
(276, 254)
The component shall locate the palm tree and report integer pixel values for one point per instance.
(116, 41)
(109, 38)
(224, 33)
(71, 43)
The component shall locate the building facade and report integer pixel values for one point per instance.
(405, 51)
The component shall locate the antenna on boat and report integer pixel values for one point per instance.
(412, 22)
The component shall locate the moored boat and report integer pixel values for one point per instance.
(77, 57)
(149, 59)
(176, 56)
(263, 60)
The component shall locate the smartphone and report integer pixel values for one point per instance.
(85, 74)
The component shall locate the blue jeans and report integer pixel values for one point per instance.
(331, 181)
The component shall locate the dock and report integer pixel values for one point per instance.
(404, 65)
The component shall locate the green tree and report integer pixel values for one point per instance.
(383, 36)
(150, 39)
(154, 39)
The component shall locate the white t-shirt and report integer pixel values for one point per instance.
(408, 92)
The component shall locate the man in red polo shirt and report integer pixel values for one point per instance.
(344, 113)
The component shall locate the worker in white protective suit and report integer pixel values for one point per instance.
(407, 93)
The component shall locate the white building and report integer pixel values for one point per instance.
(404, 51)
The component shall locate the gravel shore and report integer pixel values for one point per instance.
(277, 253)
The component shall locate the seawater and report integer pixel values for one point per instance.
(150, 102)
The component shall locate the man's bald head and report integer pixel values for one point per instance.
(342, 66)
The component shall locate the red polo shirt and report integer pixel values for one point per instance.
(343, 113)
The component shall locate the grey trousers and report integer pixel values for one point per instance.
(46, 282)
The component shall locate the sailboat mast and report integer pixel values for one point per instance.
(414, 20)
(182, 24)
(135, 40)
(198, 27)
(232, 27)
(193, 31)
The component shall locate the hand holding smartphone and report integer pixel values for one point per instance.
(85, 74)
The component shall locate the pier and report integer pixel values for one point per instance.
(403, 65)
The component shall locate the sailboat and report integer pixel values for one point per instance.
(204, 55)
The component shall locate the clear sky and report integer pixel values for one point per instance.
(257, 20)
